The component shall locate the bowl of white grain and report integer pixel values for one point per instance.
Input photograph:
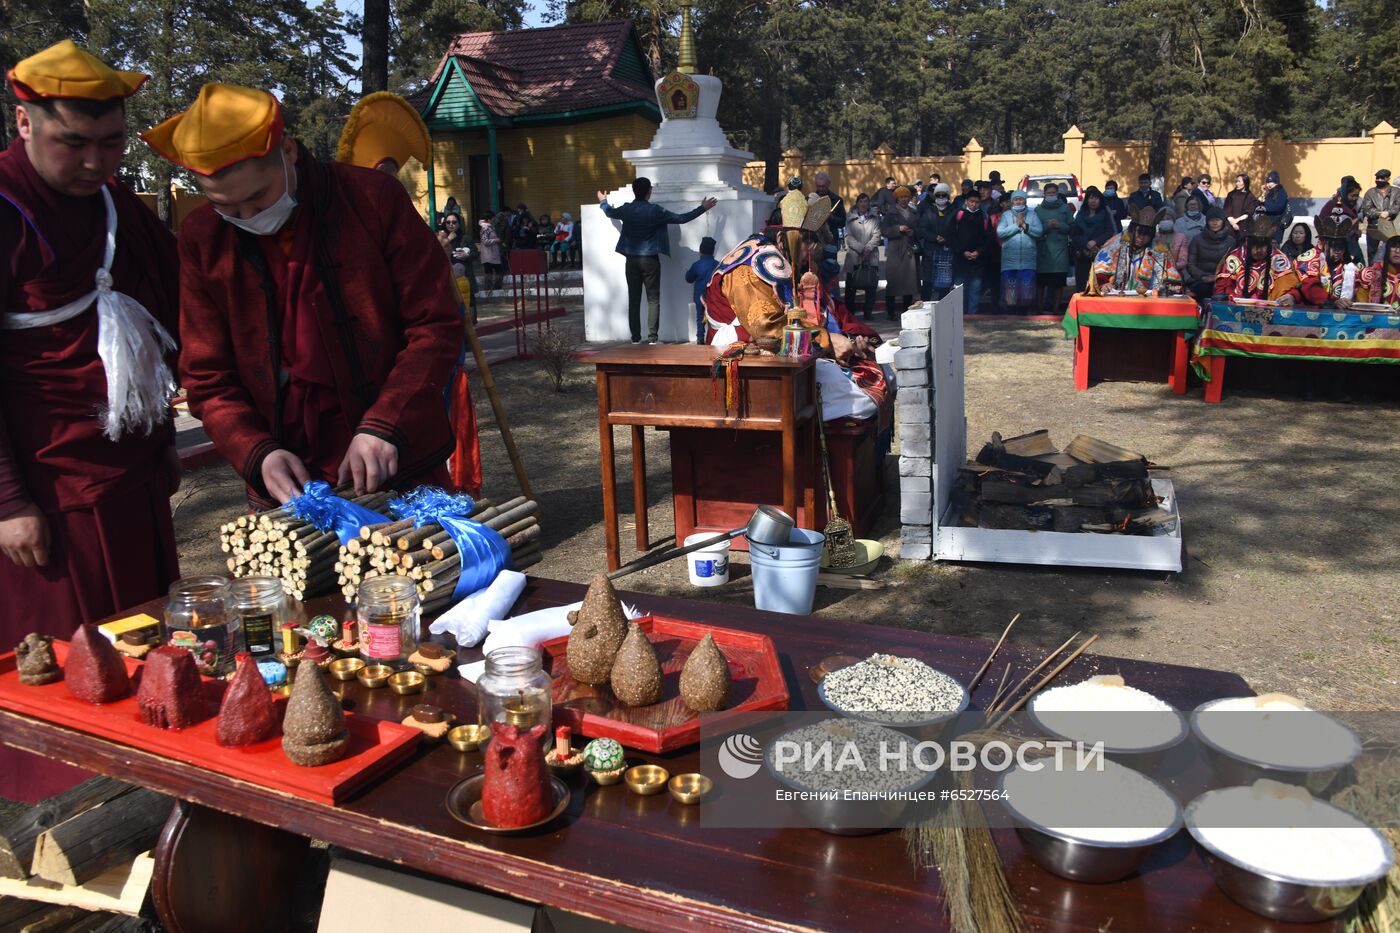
(901, 693)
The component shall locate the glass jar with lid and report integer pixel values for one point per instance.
(515, 689)
(389, 615)
(260, 604)
(197, 619)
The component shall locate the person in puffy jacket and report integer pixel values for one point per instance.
(1019, 231)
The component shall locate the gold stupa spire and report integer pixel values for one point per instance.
(687, 56)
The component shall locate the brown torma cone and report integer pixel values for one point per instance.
(636, 672)
(705, 677)
(600, 627)
(94, 672)
(37, 665)
(313, 730)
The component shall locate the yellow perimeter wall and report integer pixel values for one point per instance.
(553, 168)
(1308, 168)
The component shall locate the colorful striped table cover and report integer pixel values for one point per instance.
(1129, 311)
(1300, 334)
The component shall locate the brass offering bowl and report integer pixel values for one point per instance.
(375, 675)
(608, 778)
(690, 788)
(646, 779)
(405, 683)
(469, 738)
(346, 668)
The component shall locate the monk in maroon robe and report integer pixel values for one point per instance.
(85, 524)
(319, 318)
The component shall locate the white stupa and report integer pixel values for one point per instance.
(689, 160)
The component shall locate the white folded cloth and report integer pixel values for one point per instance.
(529, 629)
(468, 620)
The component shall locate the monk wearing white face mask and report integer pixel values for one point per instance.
(324, 316)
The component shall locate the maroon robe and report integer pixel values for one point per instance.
(107, 503)
(354, 329)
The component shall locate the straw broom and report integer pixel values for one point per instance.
(839, 544)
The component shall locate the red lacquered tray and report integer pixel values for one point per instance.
(756, 684)
(375, 746)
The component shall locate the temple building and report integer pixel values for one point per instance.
(534, 115)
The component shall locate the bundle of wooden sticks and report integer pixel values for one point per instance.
(313, 563)
(428, 556)
(277, 544)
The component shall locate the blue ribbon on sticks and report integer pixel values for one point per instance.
(482, 551)
(327, 511)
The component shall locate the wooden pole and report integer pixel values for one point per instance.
(499, 409)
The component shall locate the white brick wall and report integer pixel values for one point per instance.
(914, 422)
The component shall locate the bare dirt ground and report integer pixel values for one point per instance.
(1293, 573)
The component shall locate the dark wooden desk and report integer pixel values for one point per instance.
(671, 387)
(644, 861)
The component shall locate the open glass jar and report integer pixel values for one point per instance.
(515, 688)
(260, 604)
(197, 619)
(389, 614)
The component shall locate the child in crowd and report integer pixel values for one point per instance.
(699, 275)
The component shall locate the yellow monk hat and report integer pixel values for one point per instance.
(225, 125)
(383, 126)
(66, 72)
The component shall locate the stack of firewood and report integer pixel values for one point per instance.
(277, 544)
(428, 556)
(87, 849)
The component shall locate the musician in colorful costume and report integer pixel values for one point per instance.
(751, 299)
(1258, 270)
(1380, 282)
(1326, 274)
(1135, 261)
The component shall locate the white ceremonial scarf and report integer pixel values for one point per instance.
(131, 343)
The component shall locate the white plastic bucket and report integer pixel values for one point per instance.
(708, 566)
(785, 577)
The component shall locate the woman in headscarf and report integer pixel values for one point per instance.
(901, 267)
(1192, 219)
(1019, 232)
(1093, 226)
(488, 241)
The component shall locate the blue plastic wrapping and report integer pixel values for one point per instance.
(483, 552)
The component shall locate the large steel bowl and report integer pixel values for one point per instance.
(1233, 768)
(1141, 758)
(846, 817)
(926, 729)
(1061, 853)
(1292, 899)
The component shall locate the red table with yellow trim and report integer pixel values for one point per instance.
(1130, 312)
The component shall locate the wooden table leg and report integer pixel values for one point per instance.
(1180, 357)
(1081, 358)
(216, 873)
(605, 447)
(1215, 368)
(790, 447)
(639, 486)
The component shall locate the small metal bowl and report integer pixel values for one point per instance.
(346, 668)
(690, 788)
(608, 778)
(374, 675)
(1233, 768)
(1295, 900)
(1077, 859)
(563, 765)
(646, 779)
(468, 738)
(405, 683)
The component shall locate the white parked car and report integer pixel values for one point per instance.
(1034, 186)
